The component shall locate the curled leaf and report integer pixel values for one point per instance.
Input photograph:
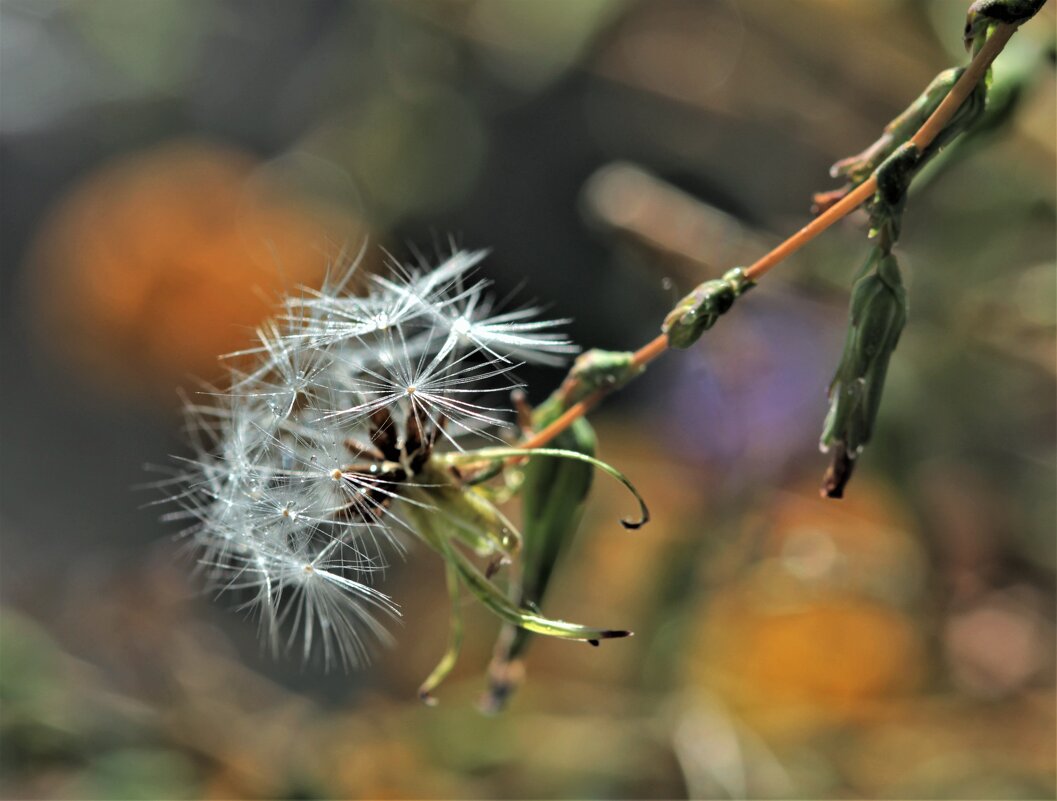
(558, 453)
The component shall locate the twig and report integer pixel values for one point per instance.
(931, 128)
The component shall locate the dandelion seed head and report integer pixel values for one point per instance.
(304, 463)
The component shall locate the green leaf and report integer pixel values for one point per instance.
(492, 597)
(554, 495)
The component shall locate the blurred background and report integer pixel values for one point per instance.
(169, 167)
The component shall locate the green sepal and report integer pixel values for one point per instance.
(463, 512)
(699, 311)
(600, 369)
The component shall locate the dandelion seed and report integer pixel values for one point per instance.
(513, 334)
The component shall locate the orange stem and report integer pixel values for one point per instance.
(650, 351)
(570, 416)
(643, 356)
(842, 208)
(998, 39)
(925, 135)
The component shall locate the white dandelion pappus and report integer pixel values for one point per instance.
(326, 318)
(436, 391)
(462, 313)
(509, 334)
(306, 468)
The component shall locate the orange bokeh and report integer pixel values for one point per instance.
(156, 263)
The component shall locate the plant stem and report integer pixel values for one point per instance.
(923, 138)
(643, 356)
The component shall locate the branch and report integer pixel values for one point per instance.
(925, 135)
